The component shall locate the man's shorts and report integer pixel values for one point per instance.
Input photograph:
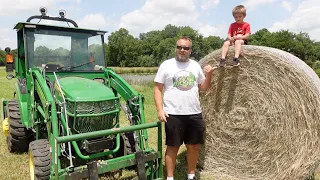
(187, 129)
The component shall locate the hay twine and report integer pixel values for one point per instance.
(262, 118)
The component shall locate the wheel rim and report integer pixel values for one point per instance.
(31, 165)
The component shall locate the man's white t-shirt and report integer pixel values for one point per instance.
(181, 92)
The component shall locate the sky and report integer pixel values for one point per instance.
(208, 17)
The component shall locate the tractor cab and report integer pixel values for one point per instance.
(62, 49)
(58, 48)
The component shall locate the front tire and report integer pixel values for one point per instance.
(39, 159)
(19, 137)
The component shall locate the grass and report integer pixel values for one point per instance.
(12, 166)
(135, 70)
(16, 166)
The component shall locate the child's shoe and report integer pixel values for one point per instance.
(236, 62)
(222, 63)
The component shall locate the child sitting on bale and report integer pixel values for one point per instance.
(238, 35)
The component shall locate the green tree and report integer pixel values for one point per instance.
(131, 52)
(119, 41)
(261, 38)
(165, 50)
(170, 31)
(2, 57)
(212, 43)
(152, 47)
(149, 41)
(146, 61)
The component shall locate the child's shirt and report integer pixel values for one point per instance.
(181, 80)
(238, 28)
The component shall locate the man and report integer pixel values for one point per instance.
(181, 78)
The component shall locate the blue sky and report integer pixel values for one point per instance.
(209, 17)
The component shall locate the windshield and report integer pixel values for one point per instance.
(68, 51)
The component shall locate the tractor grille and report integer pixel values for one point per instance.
(96, 123)
(92, 107)
(92, 116)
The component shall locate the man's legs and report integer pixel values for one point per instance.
(170, 159)
(192, 157)
(193, 138)
(174, 128)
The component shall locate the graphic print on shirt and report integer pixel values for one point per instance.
(184, 80)
(238, 31)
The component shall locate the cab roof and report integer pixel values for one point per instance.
(21, 25)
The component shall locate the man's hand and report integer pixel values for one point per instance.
(162, 116)
(208, 69)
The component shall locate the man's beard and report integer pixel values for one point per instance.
(181, 58)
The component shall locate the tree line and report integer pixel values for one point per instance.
(153, 47)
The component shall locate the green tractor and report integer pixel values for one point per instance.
(67, 103)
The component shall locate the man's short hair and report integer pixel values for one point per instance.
(240, 9)
(185, 38)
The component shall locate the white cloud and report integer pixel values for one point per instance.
(304, 19)
(18, 7)
(93, 21)
(209, 4)
(156, 14)
(15, 7)
(219, 30)
(7, 37)
(251, 4)
(26, 8)
(287, 5)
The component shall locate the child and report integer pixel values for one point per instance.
(238, 34)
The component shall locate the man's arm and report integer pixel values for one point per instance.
(207, 82)
(158, 88)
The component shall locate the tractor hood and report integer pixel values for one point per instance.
(82, 89)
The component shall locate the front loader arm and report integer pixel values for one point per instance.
(134, 102)
(48, 110)
(48, 106)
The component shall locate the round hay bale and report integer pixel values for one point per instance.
(262, 118)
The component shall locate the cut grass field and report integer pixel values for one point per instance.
(16, 166)
(135, 70)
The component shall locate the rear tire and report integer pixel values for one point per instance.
(129, 143)
(39, 159)
(127, 146)
(19, 137)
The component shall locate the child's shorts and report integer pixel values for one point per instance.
(245, 41)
